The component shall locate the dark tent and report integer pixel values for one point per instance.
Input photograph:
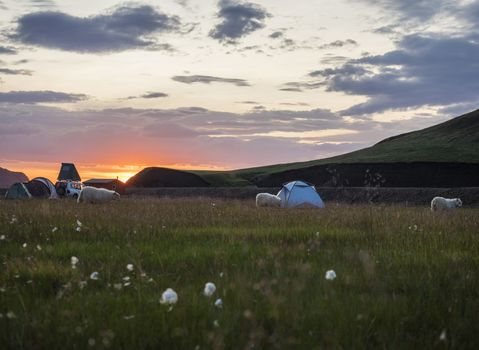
(68, 172)
(18, 191)
(39, 187)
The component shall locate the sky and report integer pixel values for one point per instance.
(117, 86)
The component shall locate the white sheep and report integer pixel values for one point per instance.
(268, 200)
(441, 203)
(97, 195)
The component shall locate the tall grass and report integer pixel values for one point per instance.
(406, 278)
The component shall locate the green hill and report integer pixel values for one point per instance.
(454, 141)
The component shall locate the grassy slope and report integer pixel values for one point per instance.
(456, 140)
(398, 285)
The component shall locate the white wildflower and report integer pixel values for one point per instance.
(79, 224)
(74, 261)
(117, 286)
(14, 219)
(210, 289)
(11, 314)
(82, 284)
(2, 237)
(219, 303)
(78, 229)
(39, 247)
(216, 323)
(128, 317)
(221, 274)
(55, 229)
(126, 284)
(91, 342)
(24, 245)
(126, 278)
(330, 275)
(169, 296)
(94, 276)
(443, 336)
(129, 267)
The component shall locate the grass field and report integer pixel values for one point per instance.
(406, 278)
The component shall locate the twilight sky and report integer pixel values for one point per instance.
(116, 86)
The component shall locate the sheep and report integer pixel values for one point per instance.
(440, 203)
(268, 200)
(97, 195)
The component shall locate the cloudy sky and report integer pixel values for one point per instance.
(117, 86)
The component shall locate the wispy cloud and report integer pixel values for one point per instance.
(9, 71)
(206, 79)
(33, 97)
(5, 50)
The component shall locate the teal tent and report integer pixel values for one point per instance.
(18, 191)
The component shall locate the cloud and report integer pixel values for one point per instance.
(134, 136)
(206, 79)
(32, 97)
(42, 3)
(339, 43)
(297, 86)
(8, 71)
(122, 28)
(238, 20)
(154, 95)
(422, 71)
(412, 10)
(148, 95)
(4, 50)
(276, 35)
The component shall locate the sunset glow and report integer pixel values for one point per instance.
(117, 86)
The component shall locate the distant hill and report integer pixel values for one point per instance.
(8, 178)
(444, 155)
(164, 177)
(451, 147)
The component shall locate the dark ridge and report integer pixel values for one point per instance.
(164, 177)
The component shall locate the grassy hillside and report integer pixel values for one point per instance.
(456, 140)
(406, 278)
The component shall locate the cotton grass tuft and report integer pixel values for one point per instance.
(330, 275)
(169, 296)
(210, 289)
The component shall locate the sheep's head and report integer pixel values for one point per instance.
(116, 196)
(458, 202)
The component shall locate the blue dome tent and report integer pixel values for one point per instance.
(299, 194)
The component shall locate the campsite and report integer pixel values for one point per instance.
(339, 268)
(239, 174)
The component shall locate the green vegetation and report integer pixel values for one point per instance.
(405, 276)
(456, 140)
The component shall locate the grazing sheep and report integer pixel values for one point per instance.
(268, 200)
(440, 203)
(97, 195)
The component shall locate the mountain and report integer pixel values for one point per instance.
(8, 178)
(164, 177)
(446, 154)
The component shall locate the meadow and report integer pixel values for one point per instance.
(406, 278)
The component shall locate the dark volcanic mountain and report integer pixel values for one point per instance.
(8, 178)
(164, 177)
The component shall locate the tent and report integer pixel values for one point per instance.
(300, 194)
(39, 187)
(68, 172)
(18, 191)
(51, 190)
